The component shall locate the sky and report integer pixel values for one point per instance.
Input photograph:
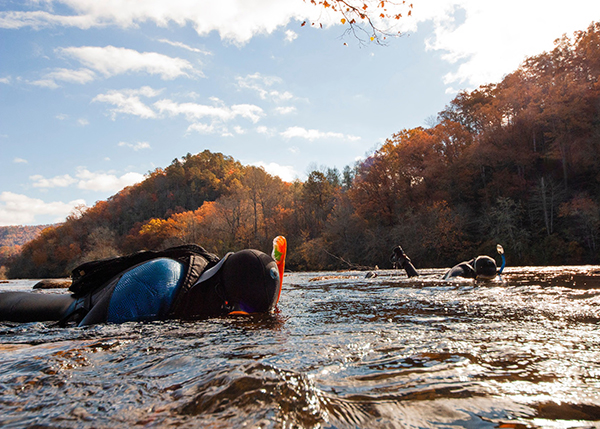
(94, 95)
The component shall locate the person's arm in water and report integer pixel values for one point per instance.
(34, 307)
(403, 261)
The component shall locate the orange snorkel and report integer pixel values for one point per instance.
(279, 252)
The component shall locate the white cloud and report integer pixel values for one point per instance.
(128, 101)
(235, 20)
(111, 61)
(312, 135)
(285, 110)
(202, 128)
(85, 179)
(285, 172)
(106, 182)
(5, 80)
(137, 146)
(492, 41)
(40, 19)
(184, 46)
(16, 209)
(45, 83)
(260, 84)
(266, 131)
(290, 35)
(495, 38)
(190, 94)
(83, 122)
(219, 112)
(80, 76)
(54, 182)
(248, 111)
(20, 161)
(484, 40)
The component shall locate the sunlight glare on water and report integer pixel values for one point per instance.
(342, 351)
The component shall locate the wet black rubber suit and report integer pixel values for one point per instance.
(482, 267)
(184, 282)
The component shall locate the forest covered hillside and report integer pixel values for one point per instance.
(11, 240)
(11, 236)
(515, 162)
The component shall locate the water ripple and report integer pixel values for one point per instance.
(342, 351)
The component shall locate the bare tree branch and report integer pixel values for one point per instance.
(366, 20)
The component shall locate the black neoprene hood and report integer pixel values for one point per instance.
(251, 281)
(485, 267)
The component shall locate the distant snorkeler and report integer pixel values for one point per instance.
(184, 282)
(399, 259)
(482, 267)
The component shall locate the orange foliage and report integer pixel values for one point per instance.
(498, 164)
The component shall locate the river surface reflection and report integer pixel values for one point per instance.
(342, 351)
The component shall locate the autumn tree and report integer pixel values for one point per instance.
(514, 162)
(318, 196)
(267, 196)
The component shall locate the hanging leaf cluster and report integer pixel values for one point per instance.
(372, 20)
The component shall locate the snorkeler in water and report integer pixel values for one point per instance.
(184, 282)
(399, 259)
(481, 267)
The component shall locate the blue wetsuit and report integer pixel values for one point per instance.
(146, 292)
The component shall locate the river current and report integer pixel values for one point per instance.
(342, 351)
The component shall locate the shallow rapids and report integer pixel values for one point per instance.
(342, 351)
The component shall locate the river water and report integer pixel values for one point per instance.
(343, 351)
